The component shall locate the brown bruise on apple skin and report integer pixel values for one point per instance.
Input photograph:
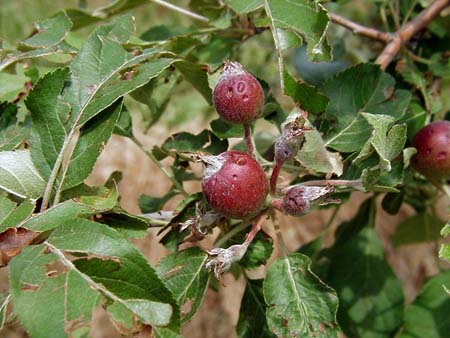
(433, 150)
(238, 189)
(238, 96)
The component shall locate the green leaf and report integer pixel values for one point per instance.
(427, 316)
(216, 12)
(215, 52)
(224, 130)
(298, 302)
(62, 301)
(365, 217)
(196, 75)
(151, 313)
(419, 228)
(273, 112)
(444, 252)
(393, 201)
(19, 176)
(12, 215)
(252, 314)
(49, 31)
(149, 204)
(415, 118)
(49, 113)
(259, 251)
(186, 142)
(156, 95)
(12, 132)
(360, 89)
(306, 18)
(16, 56)
(160, 332)
(67, 210)
(419, 80)
(6, 207)
(93, 137)
(82, 18)
(185, 210)
(163, 32)
(287, 39)
(101, 73)
(315, 156)
(387, 141)
(244, 6)
(306, 97)
(123, 271)
(371, 298)
(122, 317)
(184, 274)
(12, 86)
(311, 248)
(124, 125)
(107, 92)
(128, 225)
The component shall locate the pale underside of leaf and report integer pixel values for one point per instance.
(18, 175)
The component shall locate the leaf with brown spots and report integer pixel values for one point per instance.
(299, 304)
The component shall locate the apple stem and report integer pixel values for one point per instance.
(345, 183)
(255, 229)
(248, 139)
(277, 203)
(274, 177)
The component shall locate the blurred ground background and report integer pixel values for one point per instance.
(189, 112)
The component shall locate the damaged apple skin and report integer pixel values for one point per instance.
(234, 184)
(433, 151)
(238, 96)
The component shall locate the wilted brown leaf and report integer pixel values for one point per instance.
(12, 241)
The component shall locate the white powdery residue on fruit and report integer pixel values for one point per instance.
(232, 68)
(212, 164)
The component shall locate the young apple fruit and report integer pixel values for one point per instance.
(433, 150)
(234, 184)
(238, 96)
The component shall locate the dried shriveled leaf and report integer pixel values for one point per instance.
(12, 241)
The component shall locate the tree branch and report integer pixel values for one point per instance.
(358, 29)
(407, 31)
(181, 10)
